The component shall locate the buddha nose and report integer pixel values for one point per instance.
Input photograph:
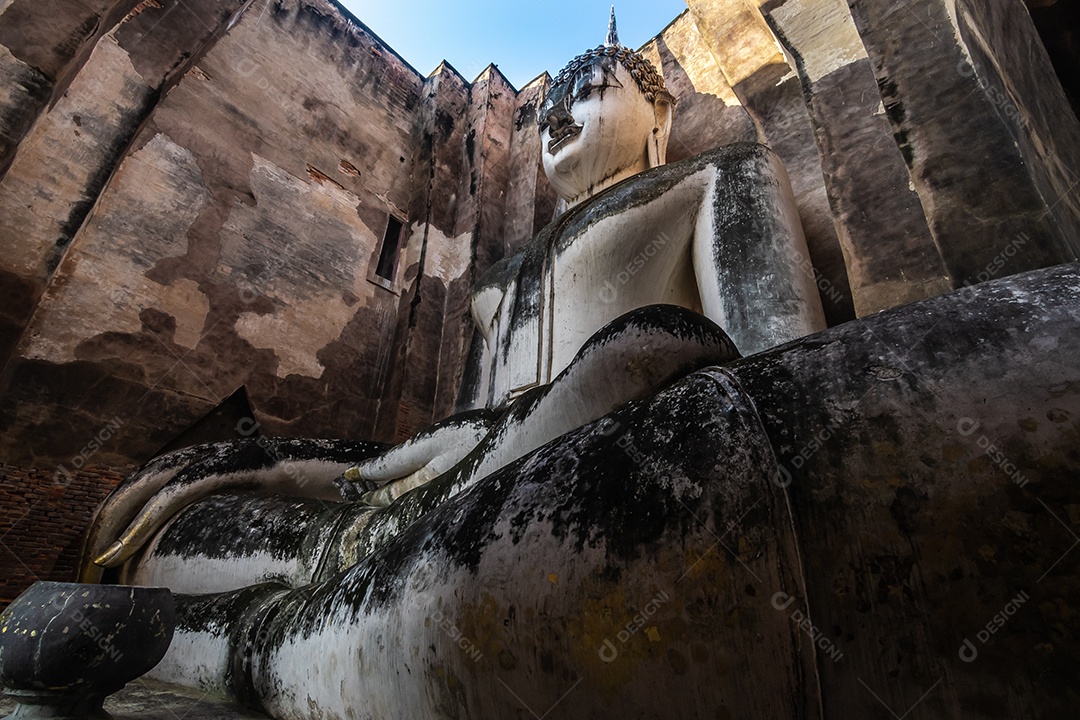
(559, 117)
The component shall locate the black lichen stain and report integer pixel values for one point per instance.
(470, 159)
(444, 123)
(525, 115)
(234, 526)
(470, 146)
(219, 613)
(906, 506)
(895, 111)
(249, 455)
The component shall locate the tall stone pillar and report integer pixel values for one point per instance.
(43, 43)
(530, 201)
(991, 142)
(484, 191)
(890, 251)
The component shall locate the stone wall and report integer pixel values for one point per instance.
(933, 124)
(237, 214)
(99, 80)
(200, 208)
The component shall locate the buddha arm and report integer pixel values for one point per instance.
(750, 258)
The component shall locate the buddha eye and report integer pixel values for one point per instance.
(582, 86)
(593, 78)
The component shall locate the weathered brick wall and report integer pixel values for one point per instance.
(43, 515)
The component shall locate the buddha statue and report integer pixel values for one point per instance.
(649, 272)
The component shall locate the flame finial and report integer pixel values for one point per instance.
(612, 32)
(648, 80)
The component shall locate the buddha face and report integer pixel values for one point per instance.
(595, 129)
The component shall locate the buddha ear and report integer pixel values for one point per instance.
(663, 110)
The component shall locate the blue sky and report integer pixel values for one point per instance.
(523, 38)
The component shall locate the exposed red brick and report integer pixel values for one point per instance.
(42, 521)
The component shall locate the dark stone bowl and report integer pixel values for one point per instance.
(65, 646)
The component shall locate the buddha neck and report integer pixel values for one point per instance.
(638, 167)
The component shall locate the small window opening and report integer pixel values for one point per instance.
(391, 244)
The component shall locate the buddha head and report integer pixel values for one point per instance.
(606, 117)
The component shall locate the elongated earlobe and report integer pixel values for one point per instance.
(658, 139)
(657, 151)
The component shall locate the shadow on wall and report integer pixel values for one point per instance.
(703, 121)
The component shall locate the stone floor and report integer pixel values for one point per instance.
(151, 700)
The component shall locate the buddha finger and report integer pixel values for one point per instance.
(430, 452)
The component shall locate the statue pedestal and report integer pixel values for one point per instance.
(65, 647)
